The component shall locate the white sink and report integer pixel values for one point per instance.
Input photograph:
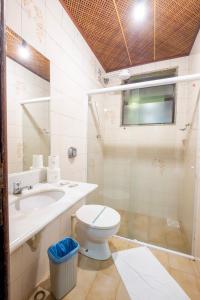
(40, 206)
(38, 200)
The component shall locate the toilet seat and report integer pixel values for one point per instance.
(98, 216)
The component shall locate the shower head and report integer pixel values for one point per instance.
(124, 74)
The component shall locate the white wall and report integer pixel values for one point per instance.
(21, 85)
(47, 27)
(74, 69)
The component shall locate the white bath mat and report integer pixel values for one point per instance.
(144, 277)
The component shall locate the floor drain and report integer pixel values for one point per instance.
(40, 294)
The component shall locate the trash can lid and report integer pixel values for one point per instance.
(63, 250)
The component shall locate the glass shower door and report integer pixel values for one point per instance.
(146, 173)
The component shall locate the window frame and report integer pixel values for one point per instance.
(174, 70)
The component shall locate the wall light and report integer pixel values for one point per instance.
(23, 50)
(139, 10)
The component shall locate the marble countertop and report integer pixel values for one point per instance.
(25, 226)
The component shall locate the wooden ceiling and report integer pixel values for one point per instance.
(37, 63)
(118, 41)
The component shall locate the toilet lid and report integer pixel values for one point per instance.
(98, 216)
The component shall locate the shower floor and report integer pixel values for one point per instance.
(152, 230)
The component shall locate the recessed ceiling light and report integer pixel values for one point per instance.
(24, 51)
(139, 10)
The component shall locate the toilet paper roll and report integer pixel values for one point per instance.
(53, 161)
(37, 162)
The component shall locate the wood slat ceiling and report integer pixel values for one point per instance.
(37, 63)
(118, 41)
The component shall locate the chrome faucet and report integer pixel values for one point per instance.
(18, 188)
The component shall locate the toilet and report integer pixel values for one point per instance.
(95, 225)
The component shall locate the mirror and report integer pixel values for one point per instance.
(28, 103)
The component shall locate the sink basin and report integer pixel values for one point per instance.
(39, 200)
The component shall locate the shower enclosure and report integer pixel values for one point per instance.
(142, 147)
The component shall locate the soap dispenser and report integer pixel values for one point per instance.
(53, 170)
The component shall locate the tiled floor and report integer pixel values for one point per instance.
(101, 281)
(152, 230)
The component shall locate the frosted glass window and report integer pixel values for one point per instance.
(152, 105)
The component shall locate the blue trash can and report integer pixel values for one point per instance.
(63, 266)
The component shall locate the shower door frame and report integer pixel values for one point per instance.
(196, 219)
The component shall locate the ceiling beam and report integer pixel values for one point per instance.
(122, 30)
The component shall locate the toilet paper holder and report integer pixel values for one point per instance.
(72, 152)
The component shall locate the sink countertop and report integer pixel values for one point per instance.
(24, 226)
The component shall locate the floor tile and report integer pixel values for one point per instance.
(196, 265)
(181, 264)
(161, 256)
(122, 293)
(156, 235)
(100, 280)
(152, 230)
(187, 282)
(104, 287)
(76, 294)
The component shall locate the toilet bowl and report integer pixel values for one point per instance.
(95, 225)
